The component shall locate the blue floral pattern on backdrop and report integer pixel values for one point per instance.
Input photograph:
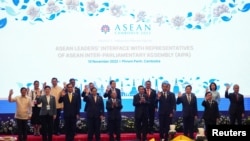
(47, 10)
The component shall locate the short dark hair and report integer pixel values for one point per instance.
(140, 87)
(54, 78)
(189, 87)
(93, 89)
(72, 79)
(148, 81)
(36, 81)
(47, 87)
(111, 81)
(23, 88)
(69, 84)
(210, 86)
(207, 93)
(165, 83)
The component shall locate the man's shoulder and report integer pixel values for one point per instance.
(136, 95)
(171, 93)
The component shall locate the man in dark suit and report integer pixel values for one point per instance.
(86, 91)
(140, 101)
(114, 106)
(152, 107)
(111, 88)
(71, 111)
(211, 110)
(76, 90)
(47, 113)
(167, 106)
(237, 107)
(189, 110)
(95, 113)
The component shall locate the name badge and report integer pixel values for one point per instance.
(48, 107)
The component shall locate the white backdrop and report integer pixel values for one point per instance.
(199, 43)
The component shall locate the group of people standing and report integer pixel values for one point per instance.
(44, 107)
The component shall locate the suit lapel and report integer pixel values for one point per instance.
(191, 98)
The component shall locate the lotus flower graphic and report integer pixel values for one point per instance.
(105, 29)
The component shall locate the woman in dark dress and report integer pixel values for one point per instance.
(35, 118)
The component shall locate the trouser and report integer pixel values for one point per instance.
(164, 122)
(114, 127)
(188, 124)
(94, 125)
(22, 129)
(70, 128)
(47, 127)
(141, 125)
(235, 117)
(151, 118)
(57, 121)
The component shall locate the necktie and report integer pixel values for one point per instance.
(189, 98)
(237, 97)
(70, 97)
(165, 94)
(148, 92)
(95, 98)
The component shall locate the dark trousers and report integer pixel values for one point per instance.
(141, 125)
(94, 127)
(114, 127)
(57, 121)
(151, 118)
(70, 128)
(47, 127)
(188, 126)
(209, 122)
(164, 122)
(22, 129)
(235, 117)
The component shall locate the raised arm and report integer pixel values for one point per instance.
(136, 101)
(10, 96)
(226, 92)
(179, 99)
(60, 100)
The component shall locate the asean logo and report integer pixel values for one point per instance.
(105, 29)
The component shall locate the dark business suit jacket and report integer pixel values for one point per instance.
(188, 109)
(113, 112)
(141, 109)
(78, 92)
(236, 106)
(152, 98)
(94, 109)
(118, 94)
(211, 111)
(167, 105)
(70, 109)
(52, 103)
(86, 104)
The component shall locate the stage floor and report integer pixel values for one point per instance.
(104, 137)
